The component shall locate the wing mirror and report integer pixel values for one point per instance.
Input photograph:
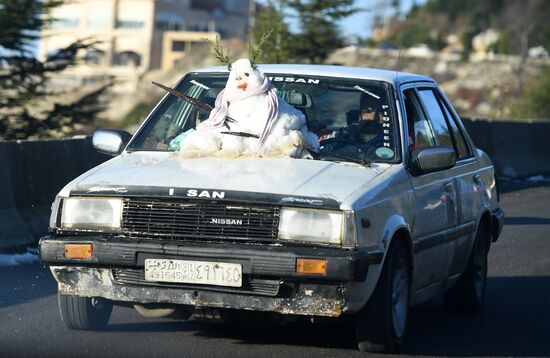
(432, 159)
(110, 141)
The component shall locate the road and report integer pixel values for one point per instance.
(514, 321)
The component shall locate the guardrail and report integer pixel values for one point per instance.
(33, 172)
(518, 149)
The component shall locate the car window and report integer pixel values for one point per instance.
(175, 115)
(458, 136)
(421, 134)
(436, 117)
(353, 119)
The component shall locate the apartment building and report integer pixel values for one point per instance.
(135, 36)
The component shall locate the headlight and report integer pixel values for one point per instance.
(54, 215)
(91, 213)
(311, 225)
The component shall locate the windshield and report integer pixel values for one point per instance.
(354, 119)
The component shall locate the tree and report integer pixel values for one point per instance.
(525, 30)
(319, 34)
(271, 18)
(535, 104)
(26, 108)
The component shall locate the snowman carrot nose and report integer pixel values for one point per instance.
(242, 86)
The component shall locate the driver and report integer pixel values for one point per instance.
(366, 124)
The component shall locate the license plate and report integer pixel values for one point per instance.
(198, 272)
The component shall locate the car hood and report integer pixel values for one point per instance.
(280, 176)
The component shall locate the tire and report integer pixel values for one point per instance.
(381, 325)
(469, 292)
(173, 312)
(84, 313)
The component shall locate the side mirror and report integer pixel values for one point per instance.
(431, 159)
(110, 141)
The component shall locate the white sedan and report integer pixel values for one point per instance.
(396, 207)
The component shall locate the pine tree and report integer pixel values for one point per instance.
(319, 34)
(271, 18)
(23, 78)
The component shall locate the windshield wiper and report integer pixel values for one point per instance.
(242, 134)
(335, 156)
(195, 102)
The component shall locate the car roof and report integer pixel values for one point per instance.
(393, 77)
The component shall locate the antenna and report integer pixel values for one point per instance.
(399, 53)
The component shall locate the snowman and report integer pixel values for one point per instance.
(261, 124)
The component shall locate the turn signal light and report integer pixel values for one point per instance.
(78, 251)
(312, 266)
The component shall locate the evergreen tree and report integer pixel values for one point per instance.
(25, 108)
(271, 18)
(319, 34)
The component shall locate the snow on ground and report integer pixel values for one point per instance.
(538, 179)
(535, 179)
(18, 259)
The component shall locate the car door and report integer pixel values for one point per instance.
(466, 180)
(435, 193)
(469, 186)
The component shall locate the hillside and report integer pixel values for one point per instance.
(486, 89)
(520, 24)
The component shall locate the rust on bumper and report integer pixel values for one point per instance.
(308, 299)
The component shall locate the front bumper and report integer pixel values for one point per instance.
(270, 281)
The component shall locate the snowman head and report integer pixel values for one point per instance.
(244, 76)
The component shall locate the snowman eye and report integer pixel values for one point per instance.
(246, 74)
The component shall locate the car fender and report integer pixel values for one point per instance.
(358, 293)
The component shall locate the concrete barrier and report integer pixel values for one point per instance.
(518, 149)
(31, 174)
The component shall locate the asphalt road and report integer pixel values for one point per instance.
(514, 322)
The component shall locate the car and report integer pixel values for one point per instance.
(396, 207)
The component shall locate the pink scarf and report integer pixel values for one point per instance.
(217, 116)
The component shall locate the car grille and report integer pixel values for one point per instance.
(194, 219)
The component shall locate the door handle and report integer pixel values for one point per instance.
(448, 187)
(477, 179)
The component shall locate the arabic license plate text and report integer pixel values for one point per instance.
(198, 272)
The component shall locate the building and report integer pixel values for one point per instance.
(136, 36)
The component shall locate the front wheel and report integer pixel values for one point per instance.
(85, 313)
(469, 292)
(381, 325)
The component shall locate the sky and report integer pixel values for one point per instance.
(360, 24)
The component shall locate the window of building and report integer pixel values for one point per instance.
(168, 26)
(178, 46)
(166, 21)
(209, 5)
(127, 58)
(94, 57)
(131, 15)
(65, 23)
(199, 27)
(129, 24)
